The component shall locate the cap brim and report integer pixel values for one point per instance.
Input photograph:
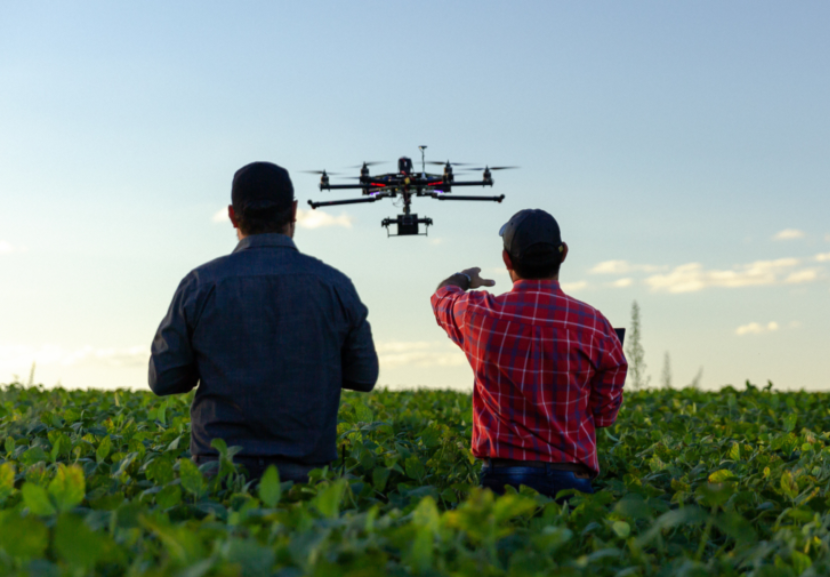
(503, 227)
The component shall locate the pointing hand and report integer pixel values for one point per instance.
(475, 280)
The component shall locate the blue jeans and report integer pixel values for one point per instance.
(546, 480)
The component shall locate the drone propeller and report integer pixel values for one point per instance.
(448, 162)
(318, 172)
(371, 163)
(493, 168)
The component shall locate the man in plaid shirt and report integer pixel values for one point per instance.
(548, 368)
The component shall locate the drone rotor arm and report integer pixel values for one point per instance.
(473, 183)
(346, 201)
(438, 196)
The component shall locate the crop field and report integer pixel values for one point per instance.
(693, 483)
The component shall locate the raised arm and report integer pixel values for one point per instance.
(449, 302)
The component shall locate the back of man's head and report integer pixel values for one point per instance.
(534, 242)
(262, 196)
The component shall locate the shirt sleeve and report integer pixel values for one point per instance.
(172, 362)
(359, 358)
(449, 304)
(607, 387)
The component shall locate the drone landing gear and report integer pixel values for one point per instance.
(407, 225)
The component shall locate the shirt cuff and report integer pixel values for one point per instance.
(450, 288)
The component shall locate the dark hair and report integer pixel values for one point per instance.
(263, 220)
(535, 268)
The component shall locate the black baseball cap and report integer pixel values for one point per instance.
(262, 185)
(532, 235)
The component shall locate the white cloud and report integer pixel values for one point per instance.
(622, 283)
(305, 218)
(823, 257)
(393, 354)
(788, 234)
(756, 328)
(802, 276)
(693, 277)
(573, 286)
(6, 247)
(221, 215)
(318, 218)
(20, 357)
(623, 267)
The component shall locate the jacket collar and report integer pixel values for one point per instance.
(275, 240)
(536, 284)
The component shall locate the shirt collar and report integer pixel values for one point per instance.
(275, 239)
(536, 284)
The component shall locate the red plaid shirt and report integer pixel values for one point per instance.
(548, 369)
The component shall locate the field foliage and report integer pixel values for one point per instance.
(693, 483)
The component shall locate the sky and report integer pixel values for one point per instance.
(683, 147)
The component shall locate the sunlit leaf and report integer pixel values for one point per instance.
(192, 479)
(37, 499)
(6, 481)
(104, 449)
(788, 485)
(621, 528)
(328, 500)
(269, 487)
(721, 476)
(68, 487)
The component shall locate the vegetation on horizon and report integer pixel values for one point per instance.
(693, 483)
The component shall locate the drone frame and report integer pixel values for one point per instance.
(408, 185)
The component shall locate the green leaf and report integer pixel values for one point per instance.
(169, 497)
(327, 501)
(269, 487)
(622, 529)
(23, 537)
(221, 447)
(253, 559)
(6, 481)
(37, 500)
(363, 414)
(379, 478)
(414, 468)
(160, 471)
(124, 465)
(789, 422)
(721, 476)
(79, 545)
(735, 452)
(422, 550)
(192, 479)
(34, 455)
(104, 449)
(788, 485)
(800, 561)
(10, 446)
(68, 488)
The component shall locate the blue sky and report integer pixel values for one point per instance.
(682, 146)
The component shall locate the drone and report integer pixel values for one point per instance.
(408, 184)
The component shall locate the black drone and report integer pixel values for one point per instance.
(408, 184)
